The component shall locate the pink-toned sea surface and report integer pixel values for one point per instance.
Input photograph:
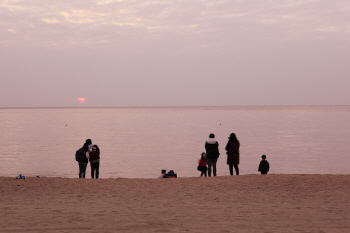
(137, 142)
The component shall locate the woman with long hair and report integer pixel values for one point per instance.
(232, 148)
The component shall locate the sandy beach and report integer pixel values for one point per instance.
(248, 203)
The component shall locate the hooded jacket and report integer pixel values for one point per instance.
(212, 148)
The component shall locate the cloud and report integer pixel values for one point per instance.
(82, 16)
(175, 50)
(120, 22)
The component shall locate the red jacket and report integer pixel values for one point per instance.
(202, 163)
(94, 154)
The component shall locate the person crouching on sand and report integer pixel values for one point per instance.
(170, 174)
(264, 166)
(202, 164)
(94, 159)
(162, 174)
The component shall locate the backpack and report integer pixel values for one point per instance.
(80, 156)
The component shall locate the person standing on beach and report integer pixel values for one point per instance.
(212, 149)
(232, 148)
(84, 162)
(202, 164)
(94, 158)
(264, 166)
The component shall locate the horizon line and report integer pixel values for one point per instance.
(181, 106)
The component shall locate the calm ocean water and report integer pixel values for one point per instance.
(138, 142)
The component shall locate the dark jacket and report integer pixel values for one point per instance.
(232, 152)
(264, 166)
(212, 148)
(170, 174)
(94, 154)
(85, 149)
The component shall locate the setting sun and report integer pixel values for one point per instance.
(81, 100)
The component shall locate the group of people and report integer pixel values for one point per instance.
(91, 154)
(210, 157)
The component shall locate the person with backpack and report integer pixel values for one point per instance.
(94, 159)
(82, 158)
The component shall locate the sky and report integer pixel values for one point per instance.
(174, 53)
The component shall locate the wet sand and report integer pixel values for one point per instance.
(248, 203)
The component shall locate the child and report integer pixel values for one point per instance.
(202, 164)
(264, 166)
(162, 174)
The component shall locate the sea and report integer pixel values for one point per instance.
(138, 142)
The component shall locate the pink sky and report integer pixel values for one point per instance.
(174, 53)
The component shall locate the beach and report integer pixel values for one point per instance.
(247, 203)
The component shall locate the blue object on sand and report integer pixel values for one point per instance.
(20, 176)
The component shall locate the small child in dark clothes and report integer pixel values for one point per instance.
(264, 166)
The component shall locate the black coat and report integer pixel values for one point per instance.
(232, 152)
(264, 166)
(84, 150)
(212, 150)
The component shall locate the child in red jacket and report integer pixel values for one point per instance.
(202, 164)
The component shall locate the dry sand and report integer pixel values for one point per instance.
(248, 203)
